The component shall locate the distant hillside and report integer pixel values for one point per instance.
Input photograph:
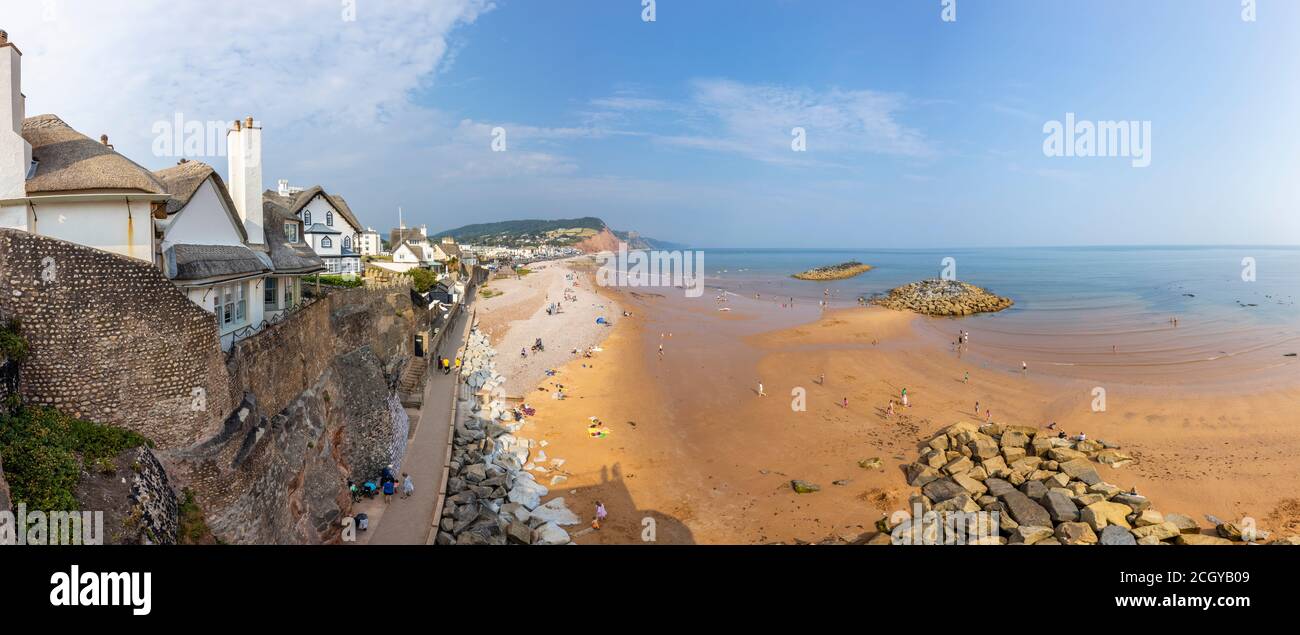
(588, 234)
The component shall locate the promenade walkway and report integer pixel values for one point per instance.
(408, 521)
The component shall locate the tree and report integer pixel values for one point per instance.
(422, 279)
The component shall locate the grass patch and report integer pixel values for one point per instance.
(45, 452)
(193, 529)
(487, 292)
(523, 271)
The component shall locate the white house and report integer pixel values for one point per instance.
(369, 243)
(56, 182)
(332, 230)
(209, 239)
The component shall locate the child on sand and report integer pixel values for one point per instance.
(408, 487)
(844, 403)
(890, 411)
(600, 515)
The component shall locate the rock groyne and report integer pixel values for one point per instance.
(943, 297)
(834, 272)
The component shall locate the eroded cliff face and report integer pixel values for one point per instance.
(280, 476)
(605, 240)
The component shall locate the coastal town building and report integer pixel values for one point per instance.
(208, 238)
(331, 229)
(370, 243)
(402, 233)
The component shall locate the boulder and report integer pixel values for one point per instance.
(969, 484)
(550, 534)
(1028, 535)
(1081, 470)
(1151, 517)
(1161, 531)
(1201, 539)
(1061, 508)
(1137, 502)
(1066, 454)
(555, 511)
(1035, 490)
(1116, 535)
(1100, 515)
(918, 474)
(1184, 523)
(997, 486)
(1025, 511)
(1231, 531)
(942, 489)
(1071, 533)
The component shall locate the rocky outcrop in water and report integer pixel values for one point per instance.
(943, 297)
(834, 272)
(493, 493)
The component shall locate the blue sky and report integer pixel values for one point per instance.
(920, 132)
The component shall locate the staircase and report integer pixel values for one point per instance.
(411, 386)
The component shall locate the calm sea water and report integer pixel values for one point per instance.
(1075, 306)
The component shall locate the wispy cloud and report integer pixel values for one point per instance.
(757, 120)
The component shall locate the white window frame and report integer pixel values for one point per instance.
(291, 232)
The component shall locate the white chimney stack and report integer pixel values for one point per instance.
(244, 158)
(15, 152)
(283, 187)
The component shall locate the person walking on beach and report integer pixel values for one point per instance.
(988, 416)
(977, 408)
(1024, 367)
(905, 404)
(821, 379)
(966, 379)
(889, 412)
(408, 487)
(661, 351)
(760, 390)
(600, 515)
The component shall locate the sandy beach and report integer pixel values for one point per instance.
(693, 446)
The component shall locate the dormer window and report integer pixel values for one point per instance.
(306, 217)
(329, 218)
(291, 232)
(326, 243)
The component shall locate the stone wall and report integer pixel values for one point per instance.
(112, 340)
(285, 418)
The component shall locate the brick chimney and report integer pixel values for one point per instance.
(244, 159)
(15, 152)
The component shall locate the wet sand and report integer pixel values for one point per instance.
(695, 448)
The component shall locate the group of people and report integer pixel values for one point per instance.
(387, 485)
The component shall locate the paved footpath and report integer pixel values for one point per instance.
(408, 521)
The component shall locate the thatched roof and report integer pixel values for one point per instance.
(287, 257)
(204, 262)
(70, 162)
(300, 200)
(183, 180)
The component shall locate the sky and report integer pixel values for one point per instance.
(917, 130)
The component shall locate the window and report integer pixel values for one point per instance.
(229, 305)
(291, 232)
(326, 243)
(271, 296)
(347, 242)
(306, 217)
(329, 218)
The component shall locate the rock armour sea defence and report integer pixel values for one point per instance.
(1044, 490)
(943, 297)
(493, 493)
(834, 272)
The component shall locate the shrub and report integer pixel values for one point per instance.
(12, 344)
(45, 452)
